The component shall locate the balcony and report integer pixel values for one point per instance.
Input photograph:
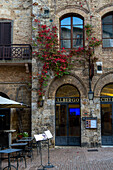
(15, 53)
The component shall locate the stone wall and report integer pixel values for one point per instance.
(14, 83)
(14, 78)
(44, 118)
(19, 12)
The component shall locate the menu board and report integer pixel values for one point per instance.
(91, 123)
(40, 137)
(48, 134)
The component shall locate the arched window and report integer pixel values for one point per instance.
(71, 31)
(107, 30)
(67, 90)
(106, 97)
(107, 90)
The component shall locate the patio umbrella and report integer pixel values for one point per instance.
(7, 103)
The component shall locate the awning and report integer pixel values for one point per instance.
(7, 103)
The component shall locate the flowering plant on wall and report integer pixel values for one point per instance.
(59, 61)
(54, 60)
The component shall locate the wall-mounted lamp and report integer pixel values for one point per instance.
(90, 95)
(41, 103)
(99, 67)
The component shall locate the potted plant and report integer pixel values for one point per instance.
(20, 135)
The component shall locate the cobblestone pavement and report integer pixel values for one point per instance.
(71, 158)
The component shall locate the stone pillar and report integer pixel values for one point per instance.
(34, 79)
(90, 137)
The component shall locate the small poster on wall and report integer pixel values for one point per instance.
(91, 123)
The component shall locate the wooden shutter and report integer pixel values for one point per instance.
(0, 33)
(5, 33)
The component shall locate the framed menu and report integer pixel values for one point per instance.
(91, 123)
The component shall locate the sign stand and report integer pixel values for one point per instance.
(49, 136)
(39, 138)
(40, 151)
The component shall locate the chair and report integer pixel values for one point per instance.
(21, 155)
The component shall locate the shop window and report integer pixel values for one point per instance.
(71, 32)
(107, 30)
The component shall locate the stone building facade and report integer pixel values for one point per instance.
(15, 63)
(95, 111)
(67, 112)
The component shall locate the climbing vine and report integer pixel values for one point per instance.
(54, 60)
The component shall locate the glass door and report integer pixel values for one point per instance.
(67, 124)
(107, 124)
(61, 124)
(74, 124)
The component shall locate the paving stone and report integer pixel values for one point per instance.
(74, 158)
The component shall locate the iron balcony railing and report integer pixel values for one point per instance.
(15, 51)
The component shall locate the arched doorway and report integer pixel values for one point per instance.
(67, 119)
(106, 98)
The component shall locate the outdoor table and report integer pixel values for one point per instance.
(26, 139)
(19, 144)
(30, 142)
(9, 151)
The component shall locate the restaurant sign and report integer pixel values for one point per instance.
(67, 100)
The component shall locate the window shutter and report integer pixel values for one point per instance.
(0, 33)
(5, 33)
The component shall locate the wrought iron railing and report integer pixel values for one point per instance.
(15, 51)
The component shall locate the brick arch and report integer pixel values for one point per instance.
(72, 9)
(105, 9)
(102, 81)
(67, 79)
